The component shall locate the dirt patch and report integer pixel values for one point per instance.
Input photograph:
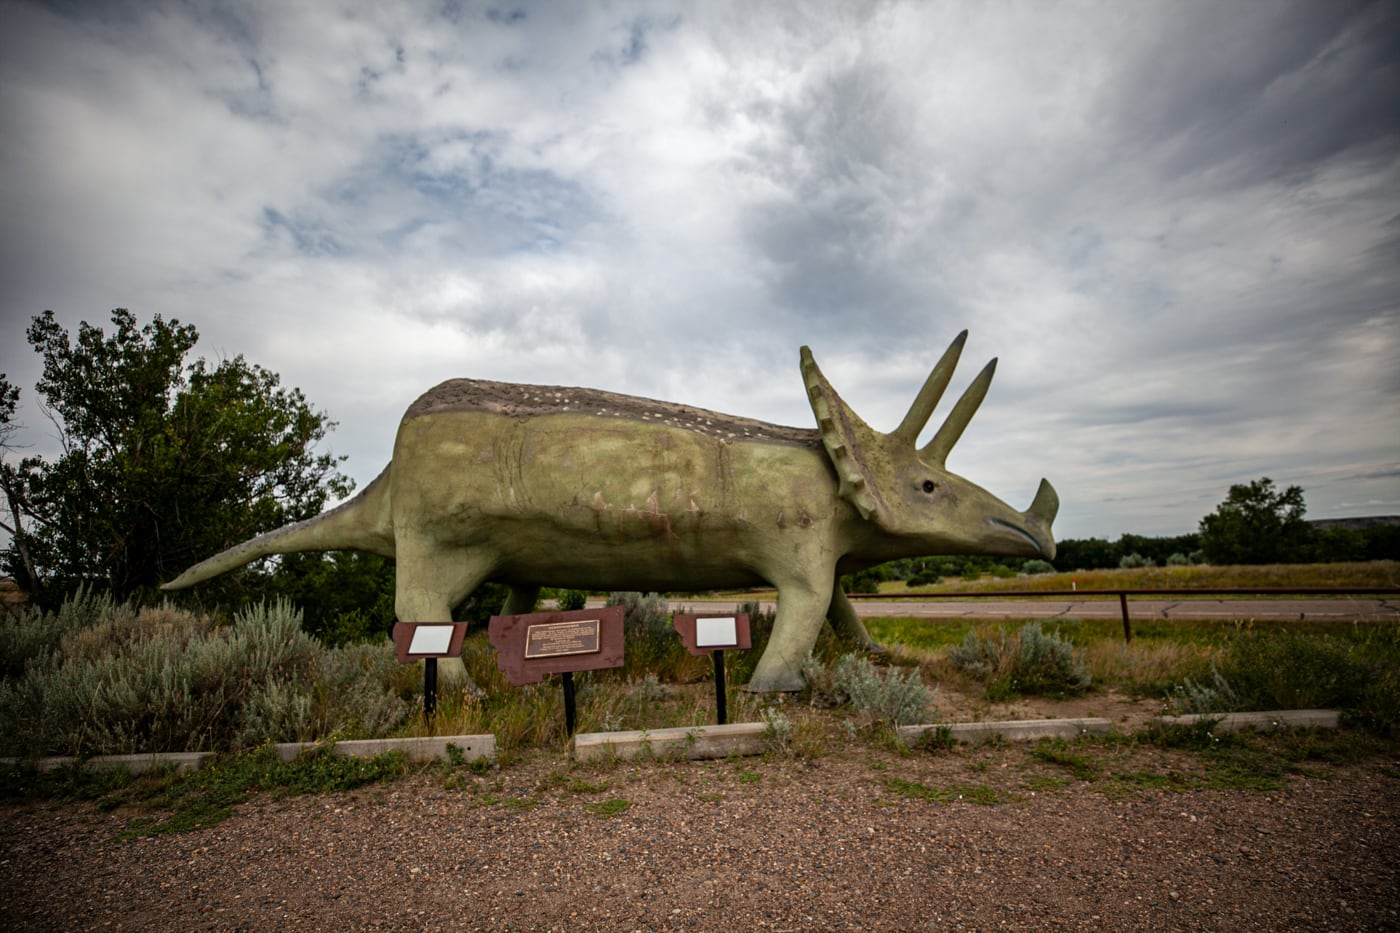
(1127, 714)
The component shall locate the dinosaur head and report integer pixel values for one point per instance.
(907, 491)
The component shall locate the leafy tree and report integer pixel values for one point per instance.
(1337, 544)
(10, 487)
(1382, 542)
(163, 463)
(866, 581)
(345, 596)
(1256, 524)
(1085, 554)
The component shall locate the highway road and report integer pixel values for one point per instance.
(1338, 609)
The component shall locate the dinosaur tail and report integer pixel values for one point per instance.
(362, 524)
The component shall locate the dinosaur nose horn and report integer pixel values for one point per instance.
(1045, 505)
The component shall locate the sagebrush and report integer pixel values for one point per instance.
(894, 696)
(652, 644)
(96, 677)
(1031, 661)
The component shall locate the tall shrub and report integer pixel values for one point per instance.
(121, 680)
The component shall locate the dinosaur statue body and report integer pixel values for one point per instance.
(535, 486)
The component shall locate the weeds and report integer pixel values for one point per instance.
(1291, 671)
(652, 645)
(1030, 662)
(1058, 752)
(606, 809)
(1190, 697)
(777, 730)
(1357, 671)
(972, 793)
(207, 797)
(572, 599)
(1149, 667)
(892, 697)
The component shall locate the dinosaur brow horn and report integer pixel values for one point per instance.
(962, 413)
(927, 399)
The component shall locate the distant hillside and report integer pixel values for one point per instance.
(1356, 524)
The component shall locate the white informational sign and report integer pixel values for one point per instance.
(716, 633)
(430, 639)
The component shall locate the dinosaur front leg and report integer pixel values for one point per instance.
(802, 604)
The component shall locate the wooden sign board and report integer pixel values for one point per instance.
(416, 640)
(530, 646)
(702, 633)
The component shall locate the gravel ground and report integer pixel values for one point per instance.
(835, 843)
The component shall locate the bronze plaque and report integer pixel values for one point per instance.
(556, 639)
(530, 646)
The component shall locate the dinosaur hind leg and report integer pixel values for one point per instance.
(847, 623)
(429, 581)
(521, 600)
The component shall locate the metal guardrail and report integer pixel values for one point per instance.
(1123, 595)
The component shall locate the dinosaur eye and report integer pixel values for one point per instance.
(929, 486)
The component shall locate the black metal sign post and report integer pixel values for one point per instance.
(535, 644)
(721, 713)
(570, 710)
(428, 641)
(712, 634)
(429, 688)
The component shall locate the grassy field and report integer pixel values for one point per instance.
(234, 686)
(1368, 574)
(100, 679)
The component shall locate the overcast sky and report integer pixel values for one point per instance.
(1177, 223)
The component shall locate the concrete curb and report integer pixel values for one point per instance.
(699, 742)
(427, 748)
(1266, 721)
(184, 762)
(418, 749)
(695, 742)
(1017, 730)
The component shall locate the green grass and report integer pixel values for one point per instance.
(605, 809)
(180, 803)
(1278, 664)
(1044, 783)
(1232, 761)
(934, 634)
(1173, 760)
(1059, 752)
(1354, 666)
(972, 793)
(1360, 574)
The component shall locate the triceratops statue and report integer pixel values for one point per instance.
(534, 486)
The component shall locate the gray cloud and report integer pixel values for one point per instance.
(1175, 224)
